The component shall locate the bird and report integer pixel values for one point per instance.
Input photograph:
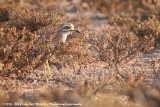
(64, 30)
(56, 39)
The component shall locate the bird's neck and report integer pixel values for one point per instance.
(64, 38)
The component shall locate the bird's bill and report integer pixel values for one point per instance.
(74, 30)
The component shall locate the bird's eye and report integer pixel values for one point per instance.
(66, 27)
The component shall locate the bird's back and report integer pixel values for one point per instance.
(50, 35)
(46, 33)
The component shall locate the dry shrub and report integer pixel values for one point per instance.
(22, 52)
(108, 6)
(71, 52)
(14, 46)
(20, 47)
(141, 29)
(129, 80)
(26, 50)
(122, 7)
(31, 20)
(138, 16)
(116, 48)
(148, 28)
(125, 23)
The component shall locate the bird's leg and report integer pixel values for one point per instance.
(49, 72)
(44, 69)
(47, 64)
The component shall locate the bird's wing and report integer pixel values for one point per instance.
(46, 34)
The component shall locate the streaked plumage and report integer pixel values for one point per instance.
(55, 37)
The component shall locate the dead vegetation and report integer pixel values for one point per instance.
(133, 30)
(19, 45)
(140, 16)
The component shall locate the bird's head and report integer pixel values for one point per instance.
(65, 30)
